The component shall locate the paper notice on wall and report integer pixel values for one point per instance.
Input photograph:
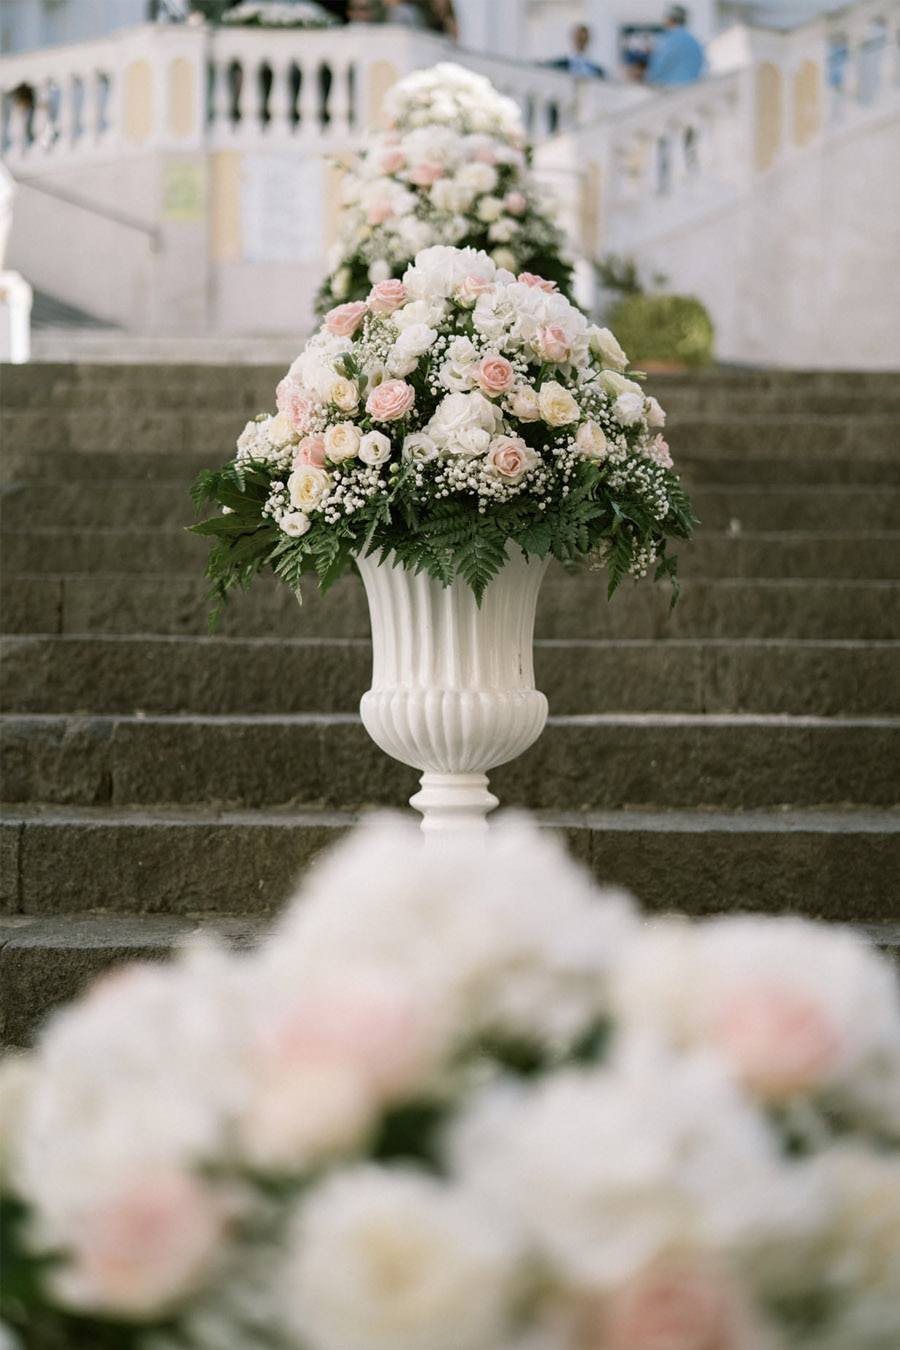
(281, 208)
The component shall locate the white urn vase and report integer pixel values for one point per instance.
(453, 683)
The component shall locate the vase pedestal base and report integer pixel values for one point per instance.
(451, 802)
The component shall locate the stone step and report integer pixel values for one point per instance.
(45, 961)
(216, 676)
(860, 555)
(591, 761)
(569, 607)
(22, 465)
(790, 508)
(830, 865)
(214, 431)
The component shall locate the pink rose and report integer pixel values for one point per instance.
(426, 173)
(387, 296)
(311, 450)
(296, 405)
(390, 401)
(494, 374)
(469, 289)
(510, 457)
(660, 453)
(552, 343)
(379, 212)
(540, 283)
(344, 320)
(485, 154)
(674, 1306)
(139, 1251)
(392, 161)
(515, 204)
(780, 1040)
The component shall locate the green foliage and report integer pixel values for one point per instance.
(671, 328)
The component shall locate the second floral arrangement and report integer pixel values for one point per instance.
(452, 414)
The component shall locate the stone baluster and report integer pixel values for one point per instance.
(310, 101)
(281, 101)
(339, 103)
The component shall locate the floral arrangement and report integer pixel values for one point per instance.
(278, 14)
(461, 1100)
(452, 169)
(449, 416)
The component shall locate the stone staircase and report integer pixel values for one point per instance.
(742, 752)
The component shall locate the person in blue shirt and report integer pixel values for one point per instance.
(677, 57)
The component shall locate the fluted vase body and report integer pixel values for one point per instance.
(453, 683)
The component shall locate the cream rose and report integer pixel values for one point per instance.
(495, 374)
(344, 394)
(340, 282)
(390, 401)
(342, 442)
(591, 440)
(604, 344)
(616, 384)
(308, 486)
(295, 523)
(654, 412)
(344, 320)
(511, 458)
(387, 296)
(374, 448)
(489, 209)
(557, 406)
(515, 203)
(504, 257)
(524, 404)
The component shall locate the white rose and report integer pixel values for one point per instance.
(489, 209)
(340, 283)
(308, 486)
(345, 394)
(557, 405)
(604, 345)
(616, 384)
(295, 523)
(470, 442)
(281, 430)
(391, 1259)
(591, 440)
(375, 448)
(458, 412)
(418, 312)
(477, 177)
(524, 404)
(379, 270)
(503, 230)
(410, 345)
(655, 413)
(448, 195)
(504, 257)
(629, 409)
(419, 448)
(342, 441)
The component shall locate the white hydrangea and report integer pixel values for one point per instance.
(438, 271)
(396, 1260)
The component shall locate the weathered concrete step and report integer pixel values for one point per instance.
(860, 555)
(569, 607)
(580, 762)
(830, 865)
(168, 428)
(147, 870)
(229, 675)
(47, 961)
(784, 508)
(23, 464)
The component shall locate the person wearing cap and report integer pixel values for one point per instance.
(677, 57)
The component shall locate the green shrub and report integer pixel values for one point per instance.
(673, 328)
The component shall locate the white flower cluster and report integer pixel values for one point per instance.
(278, 14)
(451, 170)
(469, 379)
(461, 1100)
